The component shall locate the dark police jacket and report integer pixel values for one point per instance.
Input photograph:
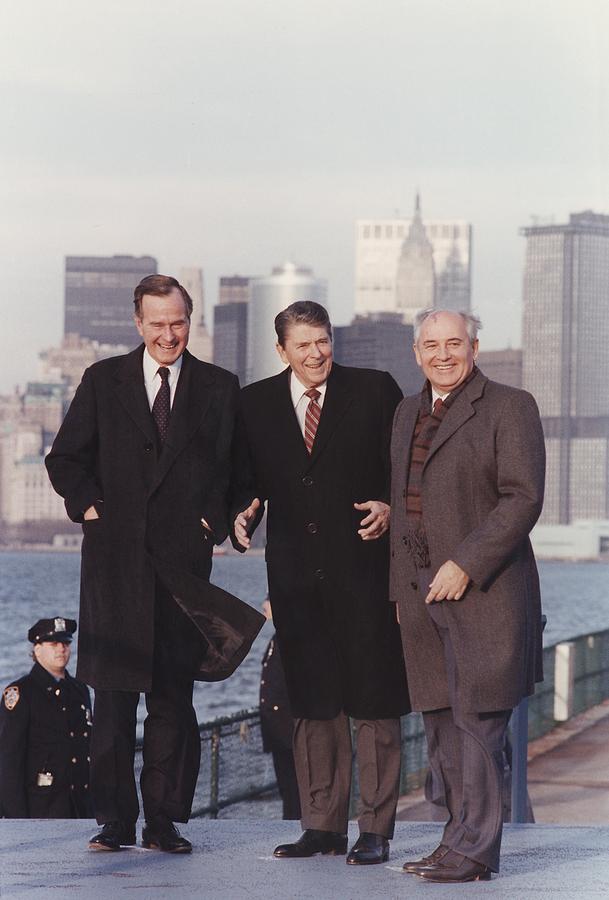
(45, 728)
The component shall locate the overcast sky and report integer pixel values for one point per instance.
(235, 134)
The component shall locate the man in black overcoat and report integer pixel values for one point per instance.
(467, 488)
(319, 435)
(144, 460)
(45, 731)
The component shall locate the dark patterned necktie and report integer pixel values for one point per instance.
(312, 417)
(161, 408)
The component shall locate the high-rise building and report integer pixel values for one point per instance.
(565, 361)
(230, 338)
(200, 341)
(234, 289)
(380, 246)
(380, 341)
(504, 366)
(99, 296)
(268, 296)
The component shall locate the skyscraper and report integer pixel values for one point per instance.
(565, 360)
(269, 296)
(200, 341)
(380, 341)
(99, 295)
(379, 246)
(415, 280)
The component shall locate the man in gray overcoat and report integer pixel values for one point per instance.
(467, 488)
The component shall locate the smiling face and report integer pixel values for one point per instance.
(308, 351)
(164, 326)
(53, 656)
(444, 351)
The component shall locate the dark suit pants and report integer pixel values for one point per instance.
(466, 753)
(283, 762)
(323, 757)
(172, 748)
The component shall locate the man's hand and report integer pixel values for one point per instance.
(376, 523)
(90, 513)
(243, 520)
(449, 583)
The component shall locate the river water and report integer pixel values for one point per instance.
(575, 599)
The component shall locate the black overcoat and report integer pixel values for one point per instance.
(336, 631)
(482, 492)
(153, 502)
(45, 728)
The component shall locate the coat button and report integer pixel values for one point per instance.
(414, 585)
(71, 734)
(307, 481)
(148, 447)
(312, 527)
(320, 574)
(404, 493)
(74, 759)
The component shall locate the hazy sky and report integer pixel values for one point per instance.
(238, 133)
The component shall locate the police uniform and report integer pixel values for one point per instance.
(45, 728)
(277, 728)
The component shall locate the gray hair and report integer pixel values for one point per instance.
(472, 322)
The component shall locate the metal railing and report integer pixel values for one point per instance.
(235, 772)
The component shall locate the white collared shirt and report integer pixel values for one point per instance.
(435, 396)
(152, 379)
(301, 401)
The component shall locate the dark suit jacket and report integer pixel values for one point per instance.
(329, 590)
(482, 492)
(153, 503)
(46, 732)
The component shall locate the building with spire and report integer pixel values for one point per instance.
(391, 264)
(415, 280)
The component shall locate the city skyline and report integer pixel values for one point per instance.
(206, 136)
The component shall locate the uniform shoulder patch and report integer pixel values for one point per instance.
(11, 696)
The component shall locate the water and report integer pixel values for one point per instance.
(43, 585)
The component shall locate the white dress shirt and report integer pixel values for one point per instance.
(301, 401)
(152, 379)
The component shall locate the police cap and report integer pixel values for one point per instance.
(56, 629)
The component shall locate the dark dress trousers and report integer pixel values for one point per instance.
(469, 662)
(336, 632)
(277, 728)
(45, 730)
(149, 619)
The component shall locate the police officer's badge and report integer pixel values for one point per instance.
(60, 625)
(11, 697)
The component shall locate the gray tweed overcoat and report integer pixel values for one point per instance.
(482, 492)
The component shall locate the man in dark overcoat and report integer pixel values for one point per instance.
(45, 731)
(319, 437)
(467, 488)
(144, 460)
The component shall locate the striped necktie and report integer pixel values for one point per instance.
(312, 417)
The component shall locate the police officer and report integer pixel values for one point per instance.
(45, 727)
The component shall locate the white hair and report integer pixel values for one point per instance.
(472, 322)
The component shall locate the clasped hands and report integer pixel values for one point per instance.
(373, 526)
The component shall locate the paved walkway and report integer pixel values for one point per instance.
(42, 860)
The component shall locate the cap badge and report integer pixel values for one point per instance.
(60, 625)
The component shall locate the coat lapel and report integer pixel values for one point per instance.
(286, 420)
(407, 426)
(460, 411)
(339, 396)
(131, 392)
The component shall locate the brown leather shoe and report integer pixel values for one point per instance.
(313, 841)
(369, 850)
(456, 871)
(434, 857)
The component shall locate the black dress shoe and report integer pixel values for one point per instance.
(161, 834)
(311, 842)
(369, 850)
(455, 872)
(113, 836)
(434, 857)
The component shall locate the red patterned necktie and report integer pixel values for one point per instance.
(437, 405)
(312, 417)
(161, 408)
